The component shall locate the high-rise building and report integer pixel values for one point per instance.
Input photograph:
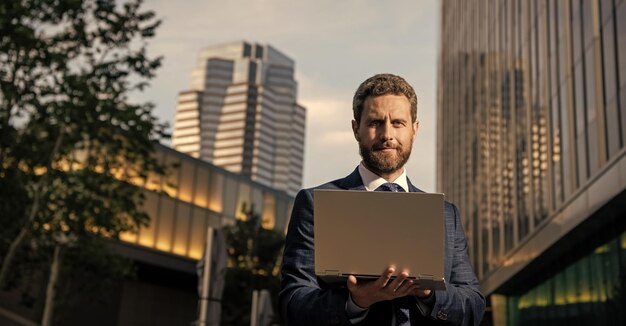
(241, 113)
(532, 147)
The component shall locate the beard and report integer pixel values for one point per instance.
(379, 162)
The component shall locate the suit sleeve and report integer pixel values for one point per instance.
(461, 303)
(302, 301)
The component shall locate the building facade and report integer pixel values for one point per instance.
(193, 196)
(532, 148)
(241, 113)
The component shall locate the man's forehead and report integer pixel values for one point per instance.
(397, 104)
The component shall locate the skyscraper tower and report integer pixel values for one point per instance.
(531, 140)
(241, 113)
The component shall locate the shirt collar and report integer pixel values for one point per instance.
(372, 181)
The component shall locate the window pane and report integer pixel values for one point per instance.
(556, 153)
(612, 129)
(621, 44)
(154, 181)
(198, 233)
(565, 143)
(256, 196)
(581, 123)
(606, 10)
(244, 204)
(231, 195)
(592, 129)
(146, 234)
(181, 236)
(171, 180)
(216, 189)
(608, 56)
(202, 186)
(622, 104)
(587, 11)
(166, 224)
(269, 211)
(186, 185)
(577, 36)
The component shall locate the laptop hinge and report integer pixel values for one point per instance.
(331, 272)
(426, 277)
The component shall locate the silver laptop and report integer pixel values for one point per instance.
(362, 232)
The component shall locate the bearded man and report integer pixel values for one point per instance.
(385, 124)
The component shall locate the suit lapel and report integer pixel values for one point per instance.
(412, 188)
(352, 181)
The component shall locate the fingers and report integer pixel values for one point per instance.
(351, 283)
(384, 278)
(401, 285)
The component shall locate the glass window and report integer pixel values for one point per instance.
(173, 171)
(269, 211)
(166, 224)
(592, 129)
(181, 235)
(581, 123)
(587, 10)
(565, 142)
(244, 204)
(553, 54)
(486, 256)
(496, 231)
(256, 197)
(577, 37)
(216, 189)
(187, 184)
(612, 129)
(606, 10)
(231, 195)
(622, 104)
(198, 233)
(556, 153)
(621, 47)
(154, 180)
(201, 194)
(583, 293)
(150, 205)
(608, 55)
(283, 213)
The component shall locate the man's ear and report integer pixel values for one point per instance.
(355, 130)
(416, 126)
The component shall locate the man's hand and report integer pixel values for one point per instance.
(365, 294)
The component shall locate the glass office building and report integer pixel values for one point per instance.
(197, 194)
(241, 113)
(532, 148)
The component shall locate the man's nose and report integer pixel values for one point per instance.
(386, 131)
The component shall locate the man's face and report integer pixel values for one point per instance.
(385, 133)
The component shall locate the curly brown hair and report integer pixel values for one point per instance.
(383, 84)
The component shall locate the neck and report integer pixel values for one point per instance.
(389, 176)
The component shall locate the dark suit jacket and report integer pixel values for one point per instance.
(305, 300)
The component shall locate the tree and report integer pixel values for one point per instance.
(73, 146)
(253, 258)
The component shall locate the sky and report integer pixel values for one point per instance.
(335, 45)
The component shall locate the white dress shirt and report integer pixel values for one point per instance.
(371, 181)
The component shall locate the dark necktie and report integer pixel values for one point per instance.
(402, 313)
(388, 186)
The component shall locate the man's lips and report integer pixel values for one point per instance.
(385, 149)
